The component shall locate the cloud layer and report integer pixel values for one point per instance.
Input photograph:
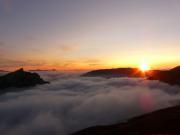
(71, 103)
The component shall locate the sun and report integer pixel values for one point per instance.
(144, 67)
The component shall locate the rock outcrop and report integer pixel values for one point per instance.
(19, 79)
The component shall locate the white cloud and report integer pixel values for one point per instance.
(71, 103)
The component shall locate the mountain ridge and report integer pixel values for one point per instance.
(171, 76)
(19, 79)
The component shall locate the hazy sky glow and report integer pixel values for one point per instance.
(89, 34)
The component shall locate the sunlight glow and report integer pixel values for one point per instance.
(144, 67)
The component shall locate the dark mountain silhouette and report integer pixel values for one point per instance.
(171, 76)
(162, 122)
(176, 69)
(20, 78)
(117, 72)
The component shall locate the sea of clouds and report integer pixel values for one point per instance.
(70, 103)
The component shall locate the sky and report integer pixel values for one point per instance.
(89, 34)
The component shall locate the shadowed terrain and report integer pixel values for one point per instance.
(162, 122)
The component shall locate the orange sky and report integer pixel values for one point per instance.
(80, 35)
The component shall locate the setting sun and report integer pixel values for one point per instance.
(144, 67)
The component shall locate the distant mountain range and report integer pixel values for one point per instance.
(162, 122)
(42, 70)
(116, 72)
(19, 79)
(171, 76)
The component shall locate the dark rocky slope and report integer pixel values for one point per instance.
(19, 79)
(162, 122)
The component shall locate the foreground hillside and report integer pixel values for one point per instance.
(162, 122)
